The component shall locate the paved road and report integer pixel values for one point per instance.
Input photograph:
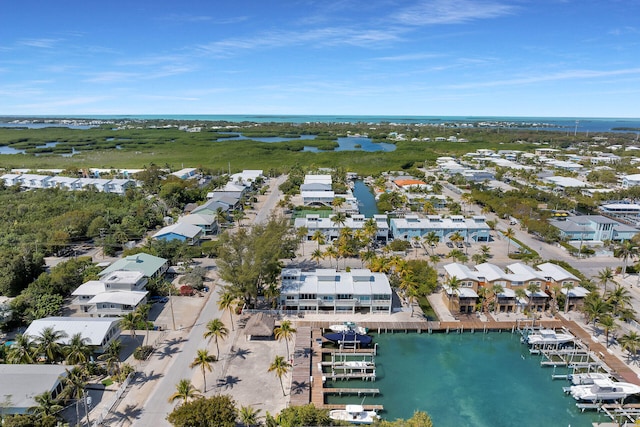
(272, 199)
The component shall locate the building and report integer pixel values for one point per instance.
(593, 228)
(331, 291)
(472, 229)
(150, 266)
(316, 191)
(115, 294)
(630, 180)
(206, 222)
(628, 211)
(465, 298)
(562, 182)
(186, 173)
(181, 231)
(98, 331)
(331, 229)
(21, 383)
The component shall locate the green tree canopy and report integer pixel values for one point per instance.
(219, 411)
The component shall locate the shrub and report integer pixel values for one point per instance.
(142, 352)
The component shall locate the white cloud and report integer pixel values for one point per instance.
(431, 12)
(43, 43)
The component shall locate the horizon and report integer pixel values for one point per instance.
(461, 58)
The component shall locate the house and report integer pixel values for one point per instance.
(630, 180)
(99, 331)
(63, 182)
(35, 181)
(150, 266)
(594, 228)
(120, 281)
(119, 185)
(472, 229)
(331, 229)
(563, 182)
(206, 222)
(621, 210)
(98, 184)
(186, 173)
(466, 296)
(116, 303)
(331, 291)
(180, 231)
(21, 383)
(11, 179)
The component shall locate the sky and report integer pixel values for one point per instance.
(536, 58)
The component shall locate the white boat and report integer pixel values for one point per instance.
(348, 326)
(603, 390)
(548, 336)
(354, 414)
(588, 377)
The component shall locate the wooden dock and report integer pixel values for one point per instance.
(307, 375)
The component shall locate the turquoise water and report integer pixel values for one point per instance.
(366, 200)
(481, 380)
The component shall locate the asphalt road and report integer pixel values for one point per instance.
(272, 199)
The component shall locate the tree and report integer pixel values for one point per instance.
(317, 255)
(77, 351)
(280, 367)
(47, 406)
(532, 288)
(22, 350)
(301, 416)
(625, 251)
(454, 285)
(509, 234)
(608, 323)
(339, 219)
(318, 237)
(204, 361)
(48, 344)
(619, 298)
(432, 239)
(216, 329)
(130, 321)
(568, 286)
(496, 290)
(219, 411)
(594, 307)
(111, 356)
(227, 301)
(75, 383)
(248, 416)
(285, 331)
(630, 342)
(331, 252)
(419, 419)
(184, 391)
(605, 276)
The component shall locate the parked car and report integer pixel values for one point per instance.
(450, 245)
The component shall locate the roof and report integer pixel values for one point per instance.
(576, 292)
(132, 298)
(405, 182)
(564, 181)
(180, 228)
(22, 382)
(197, 219)
(95, 329)
(260, 325)
(556, 272)
(145, 263)
(92, 287)
(460, 272)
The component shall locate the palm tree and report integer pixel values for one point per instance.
(248, 416)
(317, 255)
(184, 391)
(626, 250)
(532, 288)
(111, 356)
(77, 351)
(204, 361)
(416, 240)
(619, 298)
(285, 331)
(75, 383)
(143, 313)
(339, 219)
(608, 324)
(432, 239)
(605, 276)
(47, 405)
(496, 290)
(454, 285)
(216, 329)
(227, 301)
(130, 321)
(22, 350)
(48, 344)
(509, 234)
(478, 258)
(331, 252)
(594, 307)
(280, 366)
(630, 342)
(486, 251)
(521, 294)
(318, 237)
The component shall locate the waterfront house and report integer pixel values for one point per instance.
(150, 266)
(331, 291)
(593, 228)
(465, 298)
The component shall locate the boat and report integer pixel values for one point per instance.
(349, 337)
(588, 377)
(354, 414)
(547, 337)
(603, 390)
(348, 326)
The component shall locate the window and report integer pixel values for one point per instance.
(344, 296)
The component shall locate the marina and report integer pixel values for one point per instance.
(330, 365)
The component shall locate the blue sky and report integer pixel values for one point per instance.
(383, 57)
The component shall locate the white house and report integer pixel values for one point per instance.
(98, 331)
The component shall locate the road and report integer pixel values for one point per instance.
(157, 406)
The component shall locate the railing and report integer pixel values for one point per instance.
(105, 412)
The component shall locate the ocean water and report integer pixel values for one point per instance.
(480, 380)
(568, 124)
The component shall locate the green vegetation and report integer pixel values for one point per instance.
(219, 410)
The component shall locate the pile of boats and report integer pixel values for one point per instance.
(349, 334)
